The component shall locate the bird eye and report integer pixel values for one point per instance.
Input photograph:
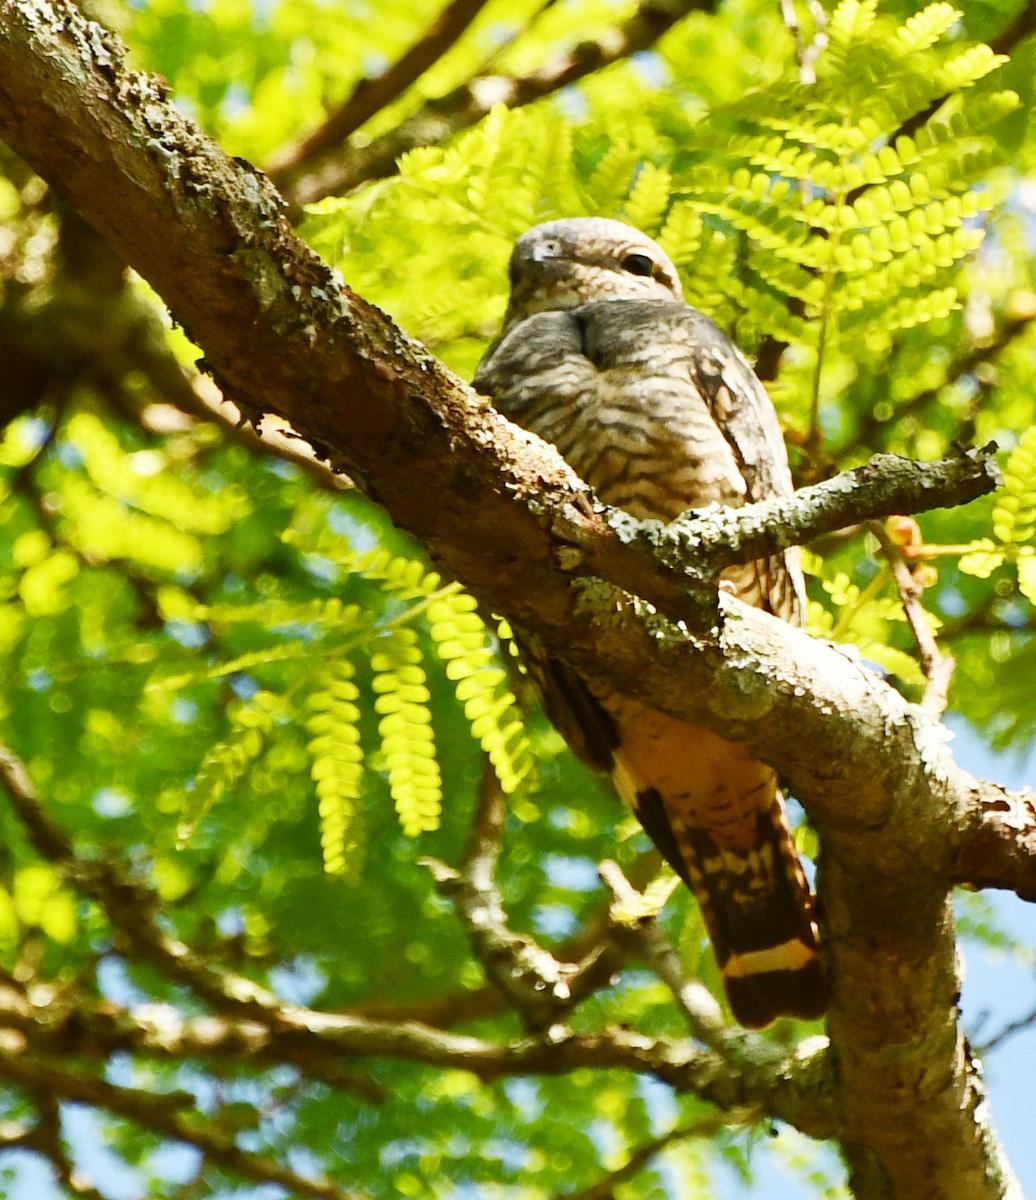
(638, 264)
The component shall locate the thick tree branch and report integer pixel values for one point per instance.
(997, 847)
(281, 334)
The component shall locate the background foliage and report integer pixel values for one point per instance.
(249, 690)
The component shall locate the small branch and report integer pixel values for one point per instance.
(745, 1055)
(373, 93)
(1020, 28)
(598, 943)
(161, 1114)
(703, 1015)
(938, 668)
(997, 845)
(46, 1140)
(886, 486)
(443, 116)
(806, 52)
(872, 432)
(538, 986)
(1018, 1025)
(697, 546)
(72, 1026)
(129, 906)
(200, 398)
(704, 1127)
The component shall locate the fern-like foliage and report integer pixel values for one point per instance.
(1014, 522)
(337, 756)
(800, 211)
(852, 201)
(867, 617)
(337, 659)
(405, 729)
(480, 682)
(226, 763)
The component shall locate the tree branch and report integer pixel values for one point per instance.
(162, 1114)
(539, 986)
(997, 847)
(704, 1127)
(938, 668)
(255, 1024)
(443, 116)
(1020, 28)
(705, 542)
(373, 93)
(703, 1015)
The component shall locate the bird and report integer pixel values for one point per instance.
(659, 412)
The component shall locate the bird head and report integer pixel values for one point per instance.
(563, 264)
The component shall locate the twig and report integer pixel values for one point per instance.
(704, 1127)
(791, 1087)
(938, 668)
(983, 618)
(162, 1114)
(373, 93)
(1021, 27)
(871, 432)
(300, 1032)
(46, 1140)
(806, 52)
(703, 1015)
(437, 119)
(539, 986)
(1018, 1025)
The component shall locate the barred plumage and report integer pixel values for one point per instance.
(659, 412)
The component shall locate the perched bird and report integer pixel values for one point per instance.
(655, 408)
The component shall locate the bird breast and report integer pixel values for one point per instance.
(613, 385)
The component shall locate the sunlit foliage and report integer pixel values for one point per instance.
(261, 698)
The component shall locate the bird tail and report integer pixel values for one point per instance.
(717, 816)
(754, 899)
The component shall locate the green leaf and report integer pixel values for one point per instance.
(337, 767)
